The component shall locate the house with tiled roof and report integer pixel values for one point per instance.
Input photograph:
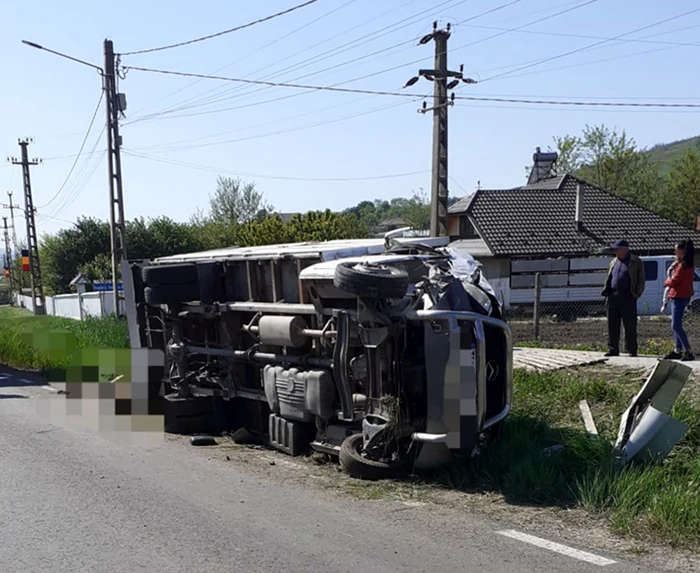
(555, 216)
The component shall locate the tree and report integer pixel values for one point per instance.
(86, 248)
(417, 213)
(236, 202)
(325, 225)
(681, 200)
(62, 255)
(268, 231)
(569, 153)
(99, 268)
(611, 160)
(314, 226)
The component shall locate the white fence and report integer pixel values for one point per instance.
(97, 304)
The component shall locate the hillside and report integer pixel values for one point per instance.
(664, 154)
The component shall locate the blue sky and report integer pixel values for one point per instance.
(288, 144)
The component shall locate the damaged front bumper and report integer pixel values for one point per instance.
(462, 371)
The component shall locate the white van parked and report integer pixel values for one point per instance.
(571, 288)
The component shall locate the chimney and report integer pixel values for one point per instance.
(579, 207)
(543, 166)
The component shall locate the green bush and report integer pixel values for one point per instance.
(45, 343)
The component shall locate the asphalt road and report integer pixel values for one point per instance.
(75, 501)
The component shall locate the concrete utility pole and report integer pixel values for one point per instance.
(39, 303)
(12, 208)
(114, 104)
(8, 256)
(439, 76)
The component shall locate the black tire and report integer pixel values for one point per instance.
(172, 293)
(170, 274)
(359, 467)
(371, 281)
(189, 416)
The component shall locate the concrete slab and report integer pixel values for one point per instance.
(544, 359)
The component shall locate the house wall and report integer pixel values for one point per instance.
(453, 225)
(497, 271)
(495, 268)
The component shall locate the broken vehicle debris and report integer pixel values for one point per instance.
(647, 430)
(387, 354)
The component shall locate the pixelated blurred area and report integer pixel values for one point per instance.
(112, 390)
(48, 347)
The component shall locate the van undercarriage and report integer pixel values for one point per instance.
(389, 356)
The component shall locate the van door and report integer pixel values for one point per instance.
(695, 301)
(650, 301)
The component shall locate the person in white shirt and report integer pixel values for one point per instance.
(669, 274)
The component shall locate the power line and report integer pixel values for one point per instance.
(266, 45)
(280, 132)
(222, 33)
(381, 72)
(527, 24)
(279, 177)
(589, 62)
(380, 32)
(491, 11)
(337, 50)
(584, 103)
(586, 36)
(205, 103)
(92, 155)
(87, 177)
(558, 6)
(265, 83)
(55, 219)
(400, 94)
(577, 50)
(77, 157)
(643, 38)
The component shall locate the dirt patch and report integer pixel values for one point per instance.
(654, 335)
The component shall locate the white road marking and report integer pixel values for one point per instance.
(51, 388)
(557, 547)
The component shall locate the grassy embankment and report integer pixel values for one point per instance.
(658, 502)
(45, 343)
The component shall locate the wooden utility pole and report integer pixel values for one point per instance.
(38, 301)
(439, 76)
(114, 104)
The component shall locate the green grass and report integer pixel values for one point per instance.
(45, 343)
(656, 501)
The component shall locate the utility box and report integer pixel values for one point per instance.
(121, 102)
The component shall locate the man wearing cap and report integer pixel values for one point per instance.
(623, 287)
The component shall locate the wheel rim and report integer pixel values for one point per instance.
(375, 269)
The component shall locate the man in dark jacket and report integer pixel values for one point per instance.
(623, 287)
